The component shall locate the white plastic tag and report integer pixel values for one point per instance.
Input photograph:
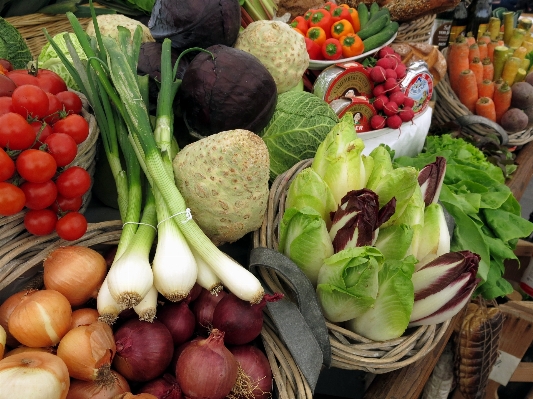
(504, 368)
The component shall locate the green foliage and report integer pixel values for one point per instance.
(12, 45)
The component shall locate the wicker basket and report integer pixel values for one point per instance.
(350, 351)
(417, 31)
(449, 108)
(16, 244)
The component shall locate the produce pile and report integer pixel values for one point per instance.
(166, 311)
(493, 75)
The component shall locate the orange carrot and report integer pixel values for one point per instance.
(486, 88)
(482, 49)
(457, 61)
(473, 52)
(477, 67)
(490, 49)
(485, 107)
(488, 68)
(502, 100)
(485, 37)
(470, 39)
(468, 89)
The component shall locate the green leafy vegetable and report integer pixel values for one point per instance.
(348, 283)
(300, 123)
(389, 316)
(12, 45)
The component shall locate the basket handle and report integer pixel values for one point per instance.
(303, 327)
(467, 120)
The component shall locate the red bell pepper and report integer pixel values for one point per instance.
(300, 23)
(332, 49)
(341, 13)
(313, 49)
(321, 18)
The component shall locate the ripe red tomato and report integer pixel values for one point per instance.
(36, 166)
(15, 132)
(71, 226)
(73, 182)
(62, 147)
(39, 195)
(6, 86)
(11, 199)
(6, 105)
(30, 101)
(71, 102)
(55, 107)
(62, 204)
(7, 166)
(42, 131)
(50, 81)
(21, 77)
(74, 125)
(40, 222)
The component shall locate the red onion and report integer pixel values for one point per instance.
(240, 321)
(203, 308)
(179, 320)
(93, 390)
(164, 387)
(193, 295)
(177, 352)
(144, 350)
(256, 366)
(206, 368)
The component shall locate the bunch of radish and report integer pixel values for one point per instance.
(392, 105)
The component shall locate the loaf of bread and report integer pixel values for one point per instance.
(407, 10)
(423, 51)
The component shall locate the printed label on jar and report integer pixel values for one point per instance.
(359, 107)
(343, 80)
(420, 89)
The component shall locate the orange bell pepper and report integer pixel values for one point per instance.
(352, 45)
(343, 5)
(341, 28)
(355, 19)
(317, 34)
(300, 23)
(298, 31)
(321, 18)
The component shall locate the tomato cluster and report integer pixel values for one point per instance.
(330, 32)
(40, 128)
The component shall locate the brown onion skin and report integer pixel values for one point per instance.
(129, 395)
(203, 308)
(22, 349)
(75, 271)
(179, 320)
(83, 317)
(6, 309)
(257, 367)
(92, 390)
(144, 350)
(164, 387)
(206, 368)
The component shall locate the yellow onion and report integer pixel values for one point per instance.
(77, 272)
(5, 311)
(36, 375)
(41, 318)
(129, 395)
(95, 390)
(22, 349)
(2, 341)
(83, 317)
(88, 352)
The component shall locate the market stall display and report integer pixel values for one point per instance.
(361, 258)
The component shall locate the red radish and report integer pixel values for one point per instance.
(390, 73)
(398, 97)
(408, 102)
(400, 70)
(394, 122)
(384, 51)
(377, 122)
(391, 108)
(390, 84)
(380, 101)
(386, 63)
(378, 90)
(407, 114)
(377, 74)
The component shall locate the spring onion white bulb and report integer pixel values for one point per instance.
(174, 266)
(206, 277)
(108, 308)
(146, 309)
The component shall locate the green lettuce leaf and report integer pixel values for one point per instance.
(13, 47)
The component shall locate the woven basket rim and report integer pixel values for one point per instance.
(349, 350)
